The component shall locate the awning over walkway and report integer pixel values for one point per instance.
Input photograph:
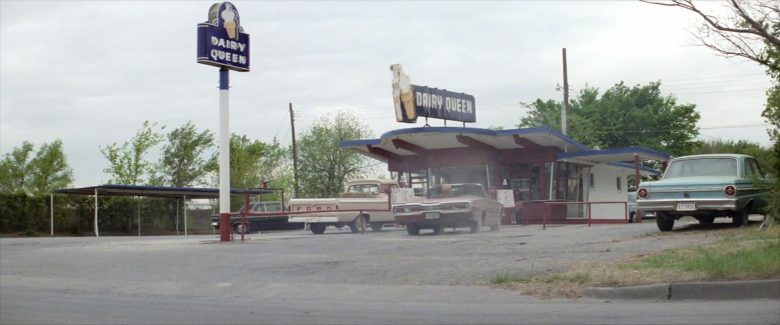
(416, 141)
(156, 191)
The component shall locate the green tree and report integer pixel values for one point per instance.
(250, 160)
(16, 170)
(182, 163)
(622, 116)
(323, 165)
(127, 164)
(50, 170)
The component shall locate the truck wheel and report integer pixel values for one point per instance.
(241, 229)
(740, 218)
(664, 222)
(354, 227)
(437, 230)
(413, 230)
(474, 227)
(317, 228)
(377, 226)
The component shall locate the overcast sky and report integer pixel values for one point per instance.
(89, 73)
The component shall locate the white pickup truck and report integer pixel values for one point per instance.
(370, 195)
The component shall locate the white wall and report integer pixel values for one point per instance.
(605, 189)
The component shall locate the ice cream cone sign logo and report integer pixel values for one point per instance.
(412, 101)
(221, 39)
(229, 17)
(403, 96)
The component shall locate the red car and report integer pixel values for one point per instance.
(450, 206)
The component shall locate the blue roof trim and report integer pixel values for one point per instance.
(661, 154)
(359, 143)
(631, 166)
(462, 130)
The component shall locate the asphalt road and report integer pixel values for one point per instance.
(297, 277)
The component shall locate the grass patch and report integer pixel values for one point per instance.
(748, 254)
(738, 254)
(508, 278)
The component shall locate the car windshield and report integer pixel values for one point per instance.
(363, 188)
(273, 207)
(450, 190)
(702, 167)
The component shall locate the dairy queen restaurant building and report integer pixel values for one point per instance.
(539, 174)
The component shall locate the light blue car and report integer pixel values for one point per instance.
(706, 187)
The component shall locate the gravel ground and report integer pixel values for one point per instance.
(202, 265)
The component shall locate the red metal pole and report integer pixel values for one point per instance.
(244, 225)
(523, 214)
(590, 214)
(224, 227)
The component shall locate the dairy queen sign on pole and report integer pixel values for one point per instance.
(222, 43)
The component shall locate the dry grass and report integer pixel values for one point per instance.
(733, 255)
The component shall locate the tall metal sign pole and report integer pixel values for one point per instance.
(565, 110)
(224, 154)
(222, 43)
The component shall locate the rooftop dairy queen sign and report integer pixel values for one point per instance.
(412, 101)
(222, 41)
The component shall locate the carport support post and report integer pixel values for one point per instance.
(97, 234)
(177, 217)
(51, 211)
(138, 214)
(224, 155)
(638, 180)
(184, 206)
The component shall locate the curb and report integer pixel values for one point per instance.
(731, 290)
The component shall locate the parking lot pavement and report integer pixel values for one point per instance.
(390, 257)
(298, 267)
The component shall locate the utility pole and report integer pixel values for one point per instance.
(294, 152)
(565, 110)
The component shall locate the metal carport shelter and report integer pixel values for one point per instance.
(148, 191)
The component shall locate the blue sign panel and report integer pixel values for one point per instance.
(443, 104)
(222, 41)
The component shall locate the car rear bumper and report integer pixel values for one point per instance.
(699, 204)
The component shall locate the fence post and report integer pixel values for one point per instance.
(625, 211)
(590, 214)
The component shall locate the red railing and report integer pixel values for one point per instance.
(550, 215)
